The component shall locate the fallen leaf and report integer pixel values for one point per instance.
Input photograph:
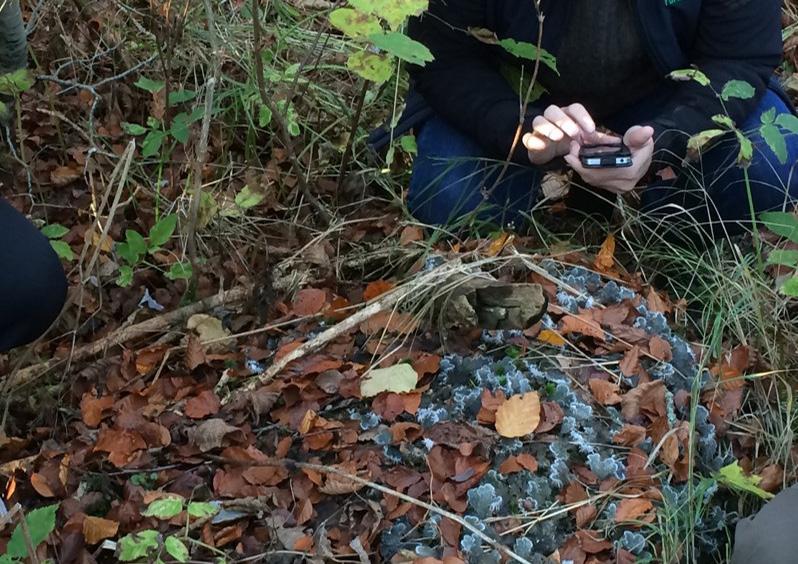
(96, 529)
(582, 324)
(92, 409)
(398, 378)
(585, 515)
(63, 175)
(630, 435)
(551, 338)
(120, 445)
(648, 398)
(655, 303)
(606, 393)
(210, 434)
(309, 301)
(195, 352)
(732, 368)
(523, 461)
(632, 509)
(391, 322)
(551, 416)
(336, 484)
(630, 365)
(660, 349)
(605, 260)
(377, 288)
(208, 328)
(772, 478)
(592, 542)
(202, 405)
(519, 415)
(411, 234)
(732, 477)
(41, 485)
(498, 244)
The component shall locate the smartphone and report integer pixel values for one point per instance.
(613, 155)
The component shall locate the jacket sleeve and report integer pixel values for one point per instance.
(736, 40)
(464, 84)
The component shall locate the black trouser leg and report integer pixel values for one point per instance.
(32, 282)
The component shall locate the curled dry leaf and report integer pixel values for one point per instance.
(630, 435)
(92, 409)
(630, 365)
(605, 260)
(606, 393)
(551, 415)
(660, 349)
(519, 415)
(339, 485)
(648, 398)
(210, 434)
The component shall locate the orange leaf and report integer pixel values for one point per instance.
(518, 416)
(377, 288)
(498, 244)
(606, 393)
(632, 509)
(40, 484)
(96, 529)
(582, 324)
(307, 421)
(91, 408)
(309, 301)
(390, 321)
(605, 259)
(551, 338)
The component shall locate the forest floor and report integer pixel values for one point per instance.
(265, 358)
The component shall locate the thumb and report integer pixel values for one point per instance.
(638, 136)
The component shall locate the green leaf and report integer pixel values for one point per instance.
(151, 145)
(16, 82)
(293, 128)
(698, 141)
(54, 231)
(355, 24)
(161, 232)
(137, 545)
(775, 140)
(137, 243)
(790, 287)
(179, 129)
(746, 149)
(180, 271)
(200, 509)
(376, 67)
(737, 89)
(395, 12)
(788, 122)
(181, 96)
(723, 121)
(150, 85)
(408, 144)
(264, 116)
(248, 198)
(733, 478)
(768, 117)
(62, 249)
(125, 277)
(783, 257)
(177, 550)
(781, 223)
(164, 508)
(529, 51)
(40, 522)
(683, 75)
(134, 128)
(400, 45)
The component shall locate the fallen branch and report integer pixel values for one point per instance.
(291, 464)
(124, 334)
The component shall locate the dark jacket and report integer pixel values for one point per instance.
(726, 39)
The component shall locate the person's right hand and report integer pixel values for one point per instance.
(554, 131)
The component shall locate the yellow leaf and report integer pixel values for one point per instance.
(399, 379)
(606, 256)
(551, 337)
(96, 529)
(518, 416)
(498, 244)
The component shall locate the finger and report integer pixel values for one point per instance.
(562, 120)
(534, 143)
(581, 116)
(545, 128)
(637, 137)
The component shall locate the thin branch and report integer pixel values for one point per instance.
(352, 131)
(277, 116)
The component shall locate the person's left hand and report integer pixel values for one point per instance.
(640, 141)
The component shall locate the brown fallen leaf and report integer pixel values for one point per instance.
(523, 461)
(647, 398)
(660, 349)
(630, 435)
(309, 301)
(96, 529)
(582, 324)
(551, 338)
(656, 303)
(632, 509)
(339, 485)
(195, 352)
(592, 542)
(519, 415)
(585, 515)
(606, 393)
(204, 404)
(92, 409)
(120, 445)
(551, 415)
(411, 234)
(772, 478)
(377, 288)
(630, 365)
(42, 486)
(210, 434)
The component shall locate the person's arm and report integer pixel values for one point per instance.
(463, 84)
(736, 40)
(13, 39)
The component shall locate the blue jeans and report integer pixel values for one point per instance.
(451, 171)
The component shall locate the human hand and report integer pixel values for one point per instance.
(556, 129)
(640, 141)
